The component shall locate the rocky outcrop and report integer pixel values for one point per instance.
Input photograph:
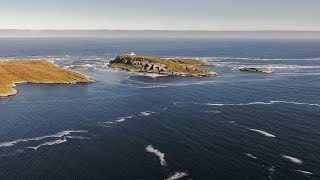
(150, 67)
(255, 69)
(151, 64)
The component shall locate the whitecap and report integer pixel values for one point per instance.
(57, 135)
(251, 156)
(147, 113)
(217, 104)
(106, 124)
(122, 119)
(177, 175)
(260, 103)
(49, 143)
(158, 153)
(151, 87)
(304, 172)
(292, 159)
(263, 132)
(76, 137)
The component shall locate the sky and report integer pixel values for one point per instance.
(216, 15)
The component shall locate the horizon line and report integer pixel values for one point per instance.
(161, 30)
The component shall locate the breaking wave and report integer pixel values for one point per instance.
(262, 103)
(122, 119)
(106, 124)
(158, 153)
(263, 133)
(56, 135)
(292, 159)
(164, 85)
(267, 134)
(146, 113)
(304, 172)
(218, 58)
(50, 143)
(177, 175)
(251, 156)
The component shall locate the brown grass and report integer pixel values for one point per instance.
(35, 71)
(173, 65)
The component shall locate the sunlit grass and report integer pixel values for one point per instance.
(35, 71)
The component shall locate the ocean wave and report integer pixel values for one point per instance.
(158, 153)
(267, 134)
(49, 143)
(244, 104)
(173, 84)
(261, 103)
(122, 119)
(152, 75)
(151, 87)
(106, 124)
(297, 73)
(56, 135)
(263, 133)
(304, 172)
(292, 159)
(217, 58)
(251, 156)
(177, 175)
(146, 113)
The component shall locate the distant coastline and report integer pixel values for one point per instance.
(259, 34)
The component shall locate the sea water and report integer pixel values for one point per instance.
(235, 125)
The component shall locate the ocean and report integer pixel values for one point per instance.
(237, 125)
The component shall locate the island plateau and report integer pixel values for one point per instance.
(35, 71)
(170, 66)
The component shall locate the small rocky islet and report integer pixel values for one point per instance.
(255, 69)
(171, 66)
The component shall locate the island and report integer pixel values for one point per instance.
(79, 67)
(35, 71)
(170, 66)
(255, 69)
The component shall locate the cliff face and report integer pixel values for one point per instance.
(160, 66)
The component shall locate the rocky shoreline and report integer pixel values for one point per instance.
(155, 65)
(255, 69)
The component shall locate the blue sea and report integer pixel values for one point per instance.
(237, 125)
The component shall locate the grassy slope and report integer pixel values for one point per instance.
(173, 65)
(35, 71)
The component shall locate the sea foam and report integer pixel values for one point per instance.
(56, 135)
(177, 175)
(263, 133)
(304, 172)
(261, 103)
(146, 113)
(158, 153)
(251, 156)
(49, 143)
(122, 119)
(292, 159)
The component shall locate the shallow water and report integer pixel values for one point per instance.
(235, 125)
